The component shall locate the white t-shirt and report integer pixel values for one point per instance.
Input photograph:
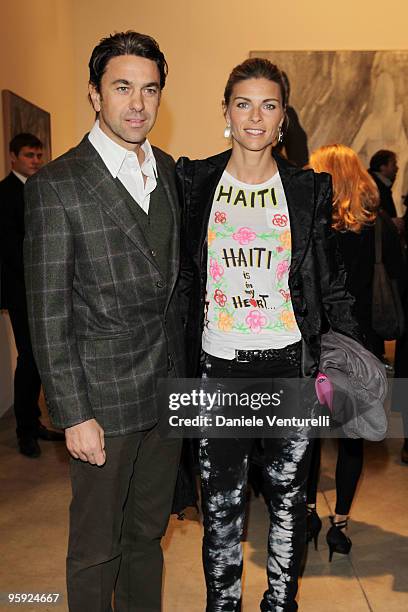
(248, 304)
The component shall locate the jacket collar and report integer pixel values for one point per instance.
(298, 185)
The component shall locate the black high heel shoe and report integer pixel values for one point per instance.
(337, 539)
(313, 526)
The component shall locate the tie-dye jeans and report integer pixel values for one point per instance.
(224, 470)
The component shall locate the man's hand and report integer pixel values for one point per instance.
(86, 441)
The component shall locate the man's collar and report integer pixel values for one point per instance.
(22, 178)
(113, 155)
(383, 179)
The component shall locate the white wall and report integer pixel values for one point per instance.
(7, 362)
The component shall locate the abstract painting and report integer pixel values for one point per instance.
(357, 98)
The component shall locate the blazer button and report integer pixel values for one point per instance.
(153, 253)
(160, 284)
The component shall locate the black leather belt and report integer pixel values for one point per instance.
(289, 353)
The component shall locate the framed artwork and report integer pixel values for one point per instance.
(356, 98)
(20, 115)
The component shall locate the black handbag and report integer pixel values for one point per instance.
(387, 319)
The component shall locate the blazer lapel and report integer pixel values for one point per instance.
(166, 175)
(102, 187)
(298, 185)
(210, 175)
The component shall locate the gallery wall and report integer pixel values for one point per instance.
(36, 51)
(204, 40)
(45, 47)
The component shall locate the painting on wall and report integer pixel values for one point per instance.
(357, 98)
(19, 115)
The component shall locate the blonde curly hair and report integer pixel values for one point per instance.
(355, 194)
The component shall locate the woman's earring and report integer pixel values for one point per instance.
(280, 134)
(227, 131)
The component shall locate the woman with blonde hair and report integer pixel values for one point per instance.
(355, 210)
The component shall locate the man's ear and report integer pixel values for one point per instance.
(13, 157)
(95, 97)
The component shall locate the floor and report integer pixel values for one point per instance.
(33, 532)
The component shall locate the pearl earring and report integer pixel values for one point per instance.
(227, 131)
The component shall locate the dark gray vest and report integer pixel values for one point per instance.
(157, 226)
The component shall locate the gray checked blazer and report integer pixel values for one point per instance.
(104, 322)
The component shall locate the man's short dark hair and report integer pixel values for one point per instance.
(24, 140)
(381, 158)
(125, 43)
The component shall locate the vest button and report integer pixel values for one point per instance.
(160, 284)
(153, 253)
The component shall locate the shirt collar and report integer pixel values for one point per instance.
(113, 155)
(22, 178)
(384, 179)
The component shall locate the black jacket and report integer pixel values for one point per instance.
(11, 242)
(358, 254)
(386, 199)
(316, 278)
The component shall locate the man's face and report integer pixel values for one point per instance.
(128, 100)
(28, 160)
(390, 169)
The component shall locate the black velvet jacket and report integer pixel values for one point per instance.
(316, 277)
(12, 287)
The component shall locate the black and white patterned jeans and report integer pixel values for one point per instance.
(224, 469)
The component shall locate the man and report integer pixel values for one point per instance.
(383, 168)
(26, 153)
(102, 257)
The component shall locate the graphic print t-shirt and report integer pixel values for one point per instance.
(248, 304)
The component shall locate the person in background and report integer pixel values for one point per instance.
(248, 200)
(26, 155)
(383, 169)
(399, 397)
(355, 208)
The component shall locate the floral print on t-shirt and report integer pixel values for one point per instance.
(249, 254)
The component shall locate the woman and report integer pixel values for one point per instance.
(262, 284)
(355, 209)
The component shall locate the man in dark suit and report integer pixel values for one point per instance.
(26, 152)
(383, 168)
(102, 259)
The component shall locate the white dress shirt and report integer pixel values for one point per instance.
(22, 178)
(124, 165)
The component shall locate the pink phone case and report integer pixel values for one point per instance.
(324, 390)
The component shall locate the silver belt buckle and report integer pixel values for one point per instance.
(240, 359)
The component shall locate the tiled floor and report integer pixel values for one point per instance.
(33, 531)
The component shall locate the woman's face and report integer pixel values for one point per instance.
(255, 112)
